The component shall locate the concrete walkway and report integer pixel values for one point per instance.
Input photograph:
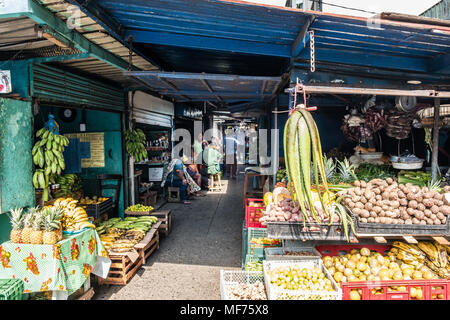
(205, 238)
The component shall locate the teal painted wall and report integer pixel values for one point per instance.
(15, 159)
(96, 121)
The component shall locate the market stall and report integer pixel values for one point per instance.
(361, 229)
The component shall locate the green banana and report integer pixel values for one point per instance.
(45, 135)
(41, 179)
(35, 180)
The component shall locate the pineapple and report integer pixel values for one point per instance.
(16, 217)
(37, 233)
(329, 167)
(52, 222)
(28, 226)
(346, 171)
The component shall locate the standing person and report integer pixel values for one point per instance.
(231, 144)
(198, 147)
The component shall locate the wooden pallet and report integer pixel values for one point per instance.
(148, 245)
(122, 270)
(383, 238)
(165, 217)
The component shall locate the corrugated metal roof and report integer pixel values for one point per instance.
(234, 26)
(440, 10)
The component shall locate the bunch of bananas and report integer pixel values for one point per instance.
(119, 235)
(74, 218)
(48, 156)
(431, 254)
(135, 144)
(69, 185)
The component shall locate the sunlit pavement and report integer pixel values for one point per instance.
(205, 237)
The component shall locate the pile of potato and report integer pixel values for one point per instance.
(387, 202)
(247, 291)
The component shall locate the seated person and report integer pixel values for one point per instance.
(176, 178)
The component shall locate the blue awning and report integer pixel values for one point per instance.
(216, 88)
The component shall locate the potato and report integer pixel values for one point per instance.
(445, 210)
(405, 216)
(429, 221)
(351, 204)
(428, 203)
(421, 207)
(433, 216)
(434, 209)
(395, 204)
(440, 216)
(371, 220)
(360, 205)
(377, 220)
(423, 222)
(403, 202)
(428, 195)
(373, 201)
(447, 189)
(376, 191)
(401, 194)
(439, 203)
(385, 207)
(377, 209)
(413, 204)
(444, 220)
(439, 196)
(389, 214)
(363, 220)
(383, 220)
(364, 213)
(410, 211)
(355, 199)
(388, 220)
(373, 214)
(408, 221)
(357, 191)
(363, 184)
(378, 197)
(363, 200)
(400, 221)
(415, 221)
(357, 211)
(357, 183)
(411, 196)
(437, 221)
(382, 214)
(390, 180)
(427, 213)
(419, 215)
(385, 195)
(369, 195)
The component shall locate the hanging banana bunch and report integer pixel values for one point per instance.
(48, 158)
(301, 145)
(135, 144)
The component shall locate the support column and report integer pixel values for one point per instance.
(435, 151)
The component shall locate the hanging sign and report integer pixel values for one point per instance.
(97, 148)
(188, 112)
(5, 81)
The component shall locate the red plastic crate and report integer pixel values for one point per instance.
(429, 288)
(249, 210)
(334, 250)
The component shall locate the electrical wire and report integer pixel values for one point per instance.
(344, 7)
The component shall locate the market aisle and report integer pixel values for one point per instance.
(206, 237)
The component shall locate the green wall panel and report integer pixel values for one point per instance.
(15, 159)
(96, 121)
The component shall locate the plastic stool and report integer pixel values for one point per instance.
(174, 194)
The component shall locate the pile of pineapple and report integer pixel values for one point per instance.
(36, 226)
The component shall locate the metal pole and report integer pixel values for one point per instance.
(131, 159)
(276, 144)
(434, 156)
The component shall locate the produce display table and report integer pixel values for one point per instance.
(62, 268)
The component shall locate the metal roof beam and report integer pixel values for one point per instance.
(367, 59)
(440, 64)
(208, 94)
(209, 43)
(43, 16)
(302, 38)
(198, 76)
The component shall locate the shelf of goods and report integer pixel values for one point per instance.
(242, 285)
(164, 216)
(129, 243)
(291, 253)
(104, 205)
(384, 208)
(299, 280)
(382, 272)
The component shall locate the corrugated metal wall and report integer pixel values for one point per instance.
(54, 85)
(440, 10)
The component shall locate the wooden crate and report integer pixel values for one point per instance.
(165, 217)
(122, 270)
(148, 245)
